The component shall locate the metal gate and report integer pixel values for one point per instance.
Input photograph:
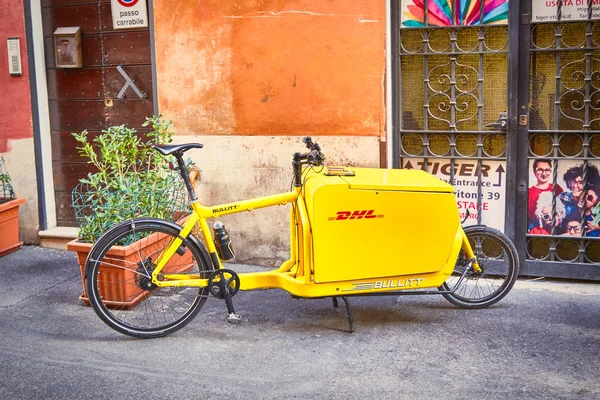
(493, 121)
(564, 145)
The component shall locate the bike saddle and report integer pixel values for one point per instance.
(175, 149)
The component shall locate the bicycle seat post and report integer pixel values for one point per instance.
(177, 150)
(185, 175)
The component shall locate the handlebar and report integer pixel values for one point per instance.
(314, 157)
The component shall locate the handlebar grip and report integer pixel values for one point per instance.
(308, 142)
(315, 157)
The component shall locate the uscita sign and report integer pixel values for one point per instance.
(569, 10)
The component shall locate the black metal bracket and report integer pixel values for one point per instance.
(349, 315)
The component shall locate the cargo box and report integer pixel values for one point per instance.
(379, 223)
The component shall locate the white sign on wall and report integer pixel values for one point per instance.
(487, 195)
(571, 10)
(127, 14)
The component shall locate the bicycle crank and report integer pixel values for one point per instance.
(224, 284)
(223, 280)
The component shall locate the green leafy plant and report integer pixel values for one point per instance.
(132, 179)
(7, 192)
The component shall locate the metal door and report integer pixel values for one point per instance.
(563, 142)
(483, 89)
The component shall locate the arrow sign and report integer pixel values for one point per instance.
(500, 171)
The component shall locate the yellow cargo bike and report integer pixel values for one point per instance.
(353, 232)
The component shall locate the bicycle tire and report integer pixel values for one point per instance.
(497, 256)
(121, 292)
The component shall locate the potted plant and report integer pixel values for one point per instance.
(132, 180)
(9, 213)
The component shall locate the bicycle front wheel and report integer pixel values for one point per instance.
(497, 257)
(119, 284)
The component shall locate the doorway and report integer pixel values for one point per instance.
(458, 116)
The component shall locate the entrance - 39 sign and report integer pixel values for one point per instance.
(127, 14)
(472, 193)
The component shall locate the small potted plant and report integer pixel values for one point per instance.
(9, 213)
(132, 180)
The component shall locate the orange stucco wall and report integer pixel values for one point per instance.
(272, 67)
(15, 102)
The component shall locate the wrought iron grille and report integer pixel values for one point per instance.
(450, 84)
(564, 145)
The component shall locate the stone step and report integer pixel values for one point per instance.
(57, 238)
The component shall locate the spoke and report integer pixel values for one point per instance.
(103, 261)
(133, 271)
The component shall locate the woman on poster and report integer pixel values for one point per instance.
(573, 200)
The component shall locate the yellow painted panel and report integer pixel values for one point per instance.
(379, 232)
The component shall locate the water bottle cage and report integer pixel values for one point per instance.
(223, 242)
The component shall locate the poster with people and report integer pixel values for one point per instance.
(565, 204)
(479, 188)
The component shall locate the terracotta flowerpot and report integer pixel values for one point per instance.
(128, 294)
(9, 226)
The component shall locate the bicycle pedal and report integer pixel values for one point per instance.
(233, 318)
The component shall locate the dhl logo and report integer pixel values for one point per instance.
(367, 214)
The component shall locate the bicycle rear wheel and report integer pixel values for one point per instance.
(497, 257)
(119, 285)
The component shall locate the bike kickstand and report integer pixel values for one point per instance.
(348, 312)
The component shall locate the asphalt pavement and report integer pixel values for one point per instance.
(541, 342)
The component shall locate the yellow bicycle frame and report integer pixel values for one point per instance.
(296, 274)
